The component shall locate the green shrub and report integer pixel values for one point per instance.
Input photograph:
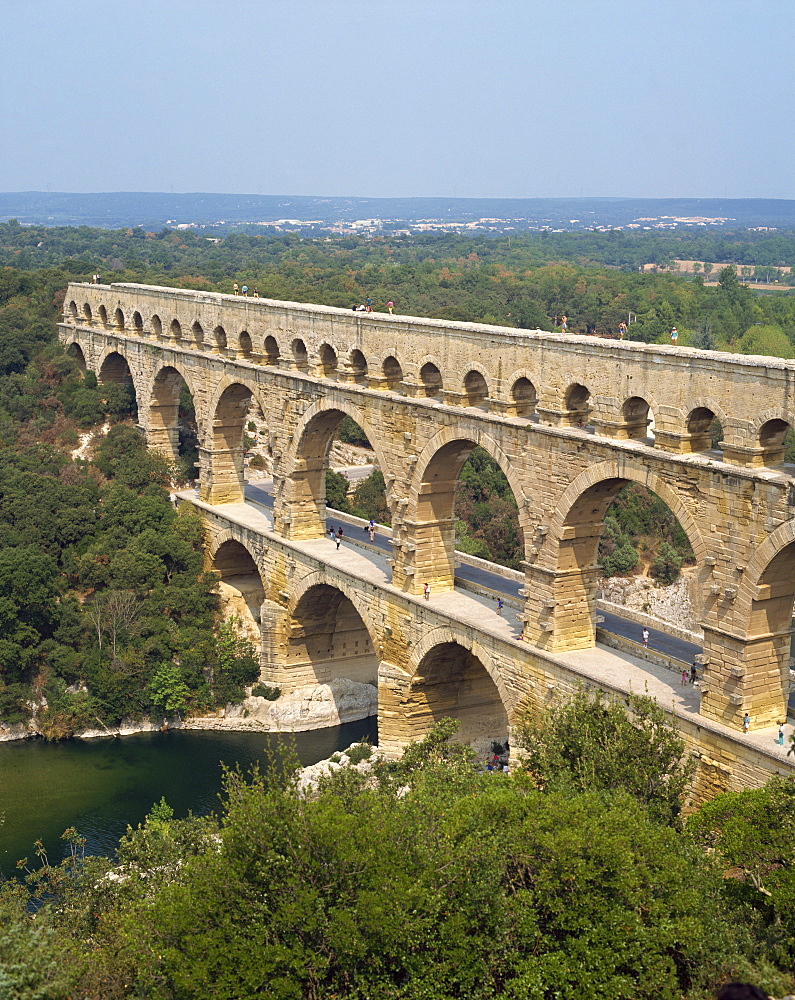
(359, 753)
(266, 691)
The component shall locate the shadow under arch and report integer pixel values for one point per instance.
(455, 677)
(574, 540)
(241, 583)
(329, 636)
(429, 520)
(75, 351)
(113, 371)
(300, 500)
(162, 419)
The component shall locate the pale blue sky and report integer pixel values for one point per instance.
(474, 98)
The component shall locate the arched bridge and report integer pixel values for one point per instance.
(570, 420)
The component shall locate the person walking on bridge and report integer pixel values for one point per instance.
(645, 635)
(338, 539)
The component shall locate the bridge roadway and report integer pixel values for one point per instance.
(601, 665)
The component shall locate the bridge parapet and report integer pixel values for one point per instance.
(617, 387)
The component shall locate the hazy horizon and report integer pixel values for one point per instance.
(459, 98)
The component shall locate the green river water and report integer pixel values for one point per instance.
(100, 786)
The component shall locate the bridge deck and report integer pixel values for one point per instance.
(608, 668)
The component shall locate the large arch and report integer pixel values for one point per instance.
(162, 423)
(300, 500)
(455, 677)
(241, 585)
(429, 523)
(329, 636)
(75, 351)
(222, 479)
(562, 589)
(758, 673)
(114, 372)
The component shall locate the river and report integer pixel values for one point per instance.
(100, 786)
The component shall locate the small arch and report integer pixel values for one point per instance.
(137, 322)
(299, 352)
(392, 373)
(176, 329)
(73, 310)
(244, 343)
(772, 434)
(476, 391)
(88, 315)
(637, 418)
(271, 351)
(451, 681)
(431, 381)
(118, 319)
(704, 429)
(578, 405)
(219, 336)
(524, 397)
(197, 333)
(103, 315)
(358, 367)
(157, 326)
(328, 361)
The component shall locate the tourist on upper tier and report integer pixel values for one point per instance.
(390, 306)
(781, 734)
(674, 336)
(368, 304)
(693, 673)
(255, 293)
(645, 635)
(245, 289)
(746, 722)
(236, 289)
(622, 329)
(563, 323)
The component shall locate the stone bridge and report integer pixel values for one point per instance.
(570, 420)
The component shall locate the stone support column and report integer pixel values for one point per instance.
(425, 553)
(273, 665)
(745, 674)
(560, 593)
(298, 514)
(162, 432)
(221, 463)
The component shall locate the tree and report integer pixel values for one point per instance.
(591, 742)
(702, 338)
(168, 690)
(447, 885)
(336, 491)
(753, 832)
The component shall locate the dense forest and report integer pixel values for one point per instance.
(427, 877)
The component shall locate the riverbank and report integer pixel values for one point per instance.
(320, 706)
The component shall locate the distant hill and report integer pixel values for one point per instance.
(155, 211)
